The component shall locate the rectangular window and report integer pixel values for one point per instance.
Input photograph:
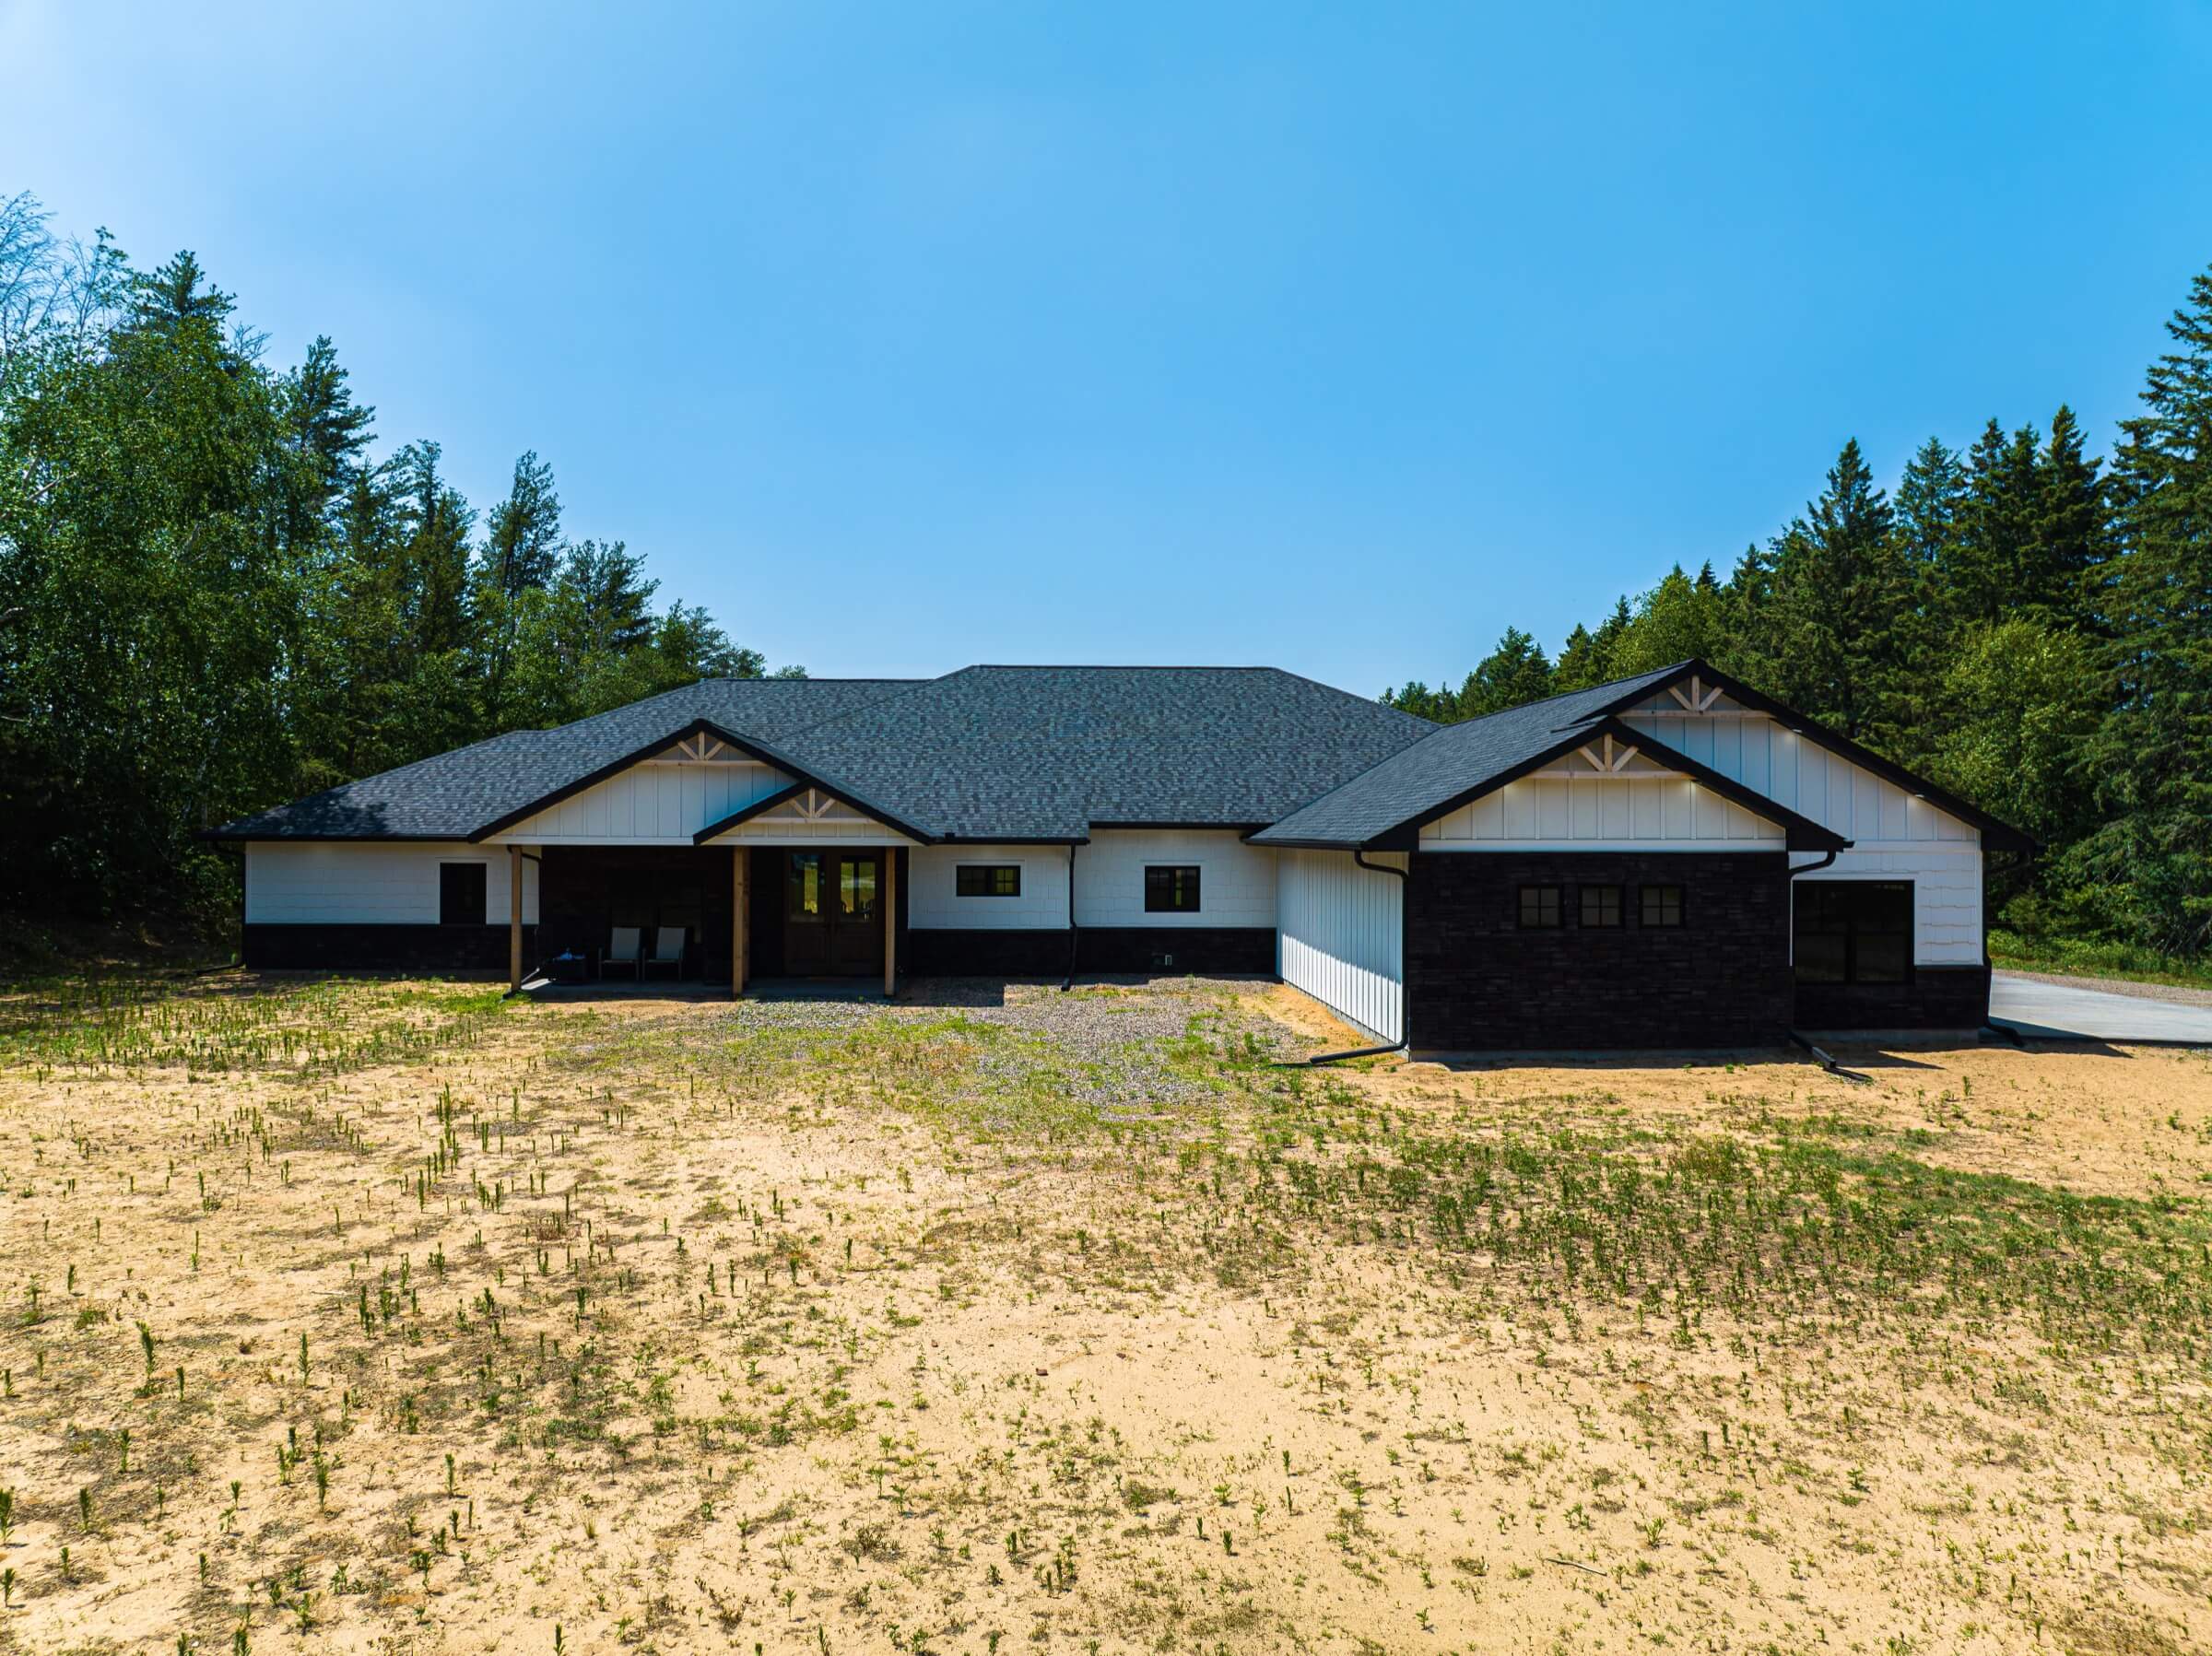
(988, 879)
(1662, 905)
(461, 894)
(1601, 905)
(1852, 930)
(856, 887)
(1539, 908)
(1170, 888)
(803, 887)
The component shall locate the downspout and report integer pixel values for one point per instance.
(1360, 861)
(1068, 981)
(1823, 1059)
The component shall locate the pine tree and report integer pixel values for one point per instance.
(1830, 592)
(521, 542)
(1930, 497)
(2151, 862)
(171, 297)
(611, 596)
(328, 427)
(1416, 698)
(1515, 672)
(2070, 538)
(1587, 658)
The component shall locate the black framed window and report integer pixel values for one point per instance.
(1171, 888)
(1601, 905)
(1852, 930)
(987, 879)
(461, 894)
(1539, 908)
(1662, 905)
(803, 887)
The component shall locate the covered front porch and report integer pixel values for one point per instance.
(746, 912)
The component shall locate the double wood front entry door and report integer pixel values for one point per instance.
(833, 913)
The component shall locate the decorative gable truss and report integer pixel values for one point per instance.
(663, 799)
(1604, 794)
(1751, 745)
(803, 814)
(704, 747)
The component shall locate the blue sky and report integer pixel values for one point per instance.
(1332, 337)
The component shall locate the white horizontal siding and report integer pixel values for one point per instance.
(1236, 881)
(1947, 895)
(1340, 935)
(1602, 813)
(934, 901)
(334, 884)
(653, 802)
(1894, 835)
(857, 830)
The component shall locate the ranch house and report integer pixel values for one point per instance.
(1672, 860)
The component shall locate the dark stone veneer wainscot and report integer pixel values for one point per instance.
(1476, 981)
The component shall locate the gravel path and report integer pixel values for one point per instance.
(1105, 1038)
(2172, 993)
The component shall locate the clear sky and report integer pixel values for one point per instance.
(1336, 338)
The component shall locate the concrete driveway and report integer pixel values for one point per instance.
(2063, 1012)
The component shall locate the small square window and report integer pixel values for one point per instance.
(1662, 905)
(988, 879)
(1171, 888)
(1539, 908)
(461, 894)
(1601, 905)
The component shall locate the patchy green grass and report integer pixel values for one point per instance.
(858, 1328)
(315, 1026)
(2082, 959)
(1784, 1224)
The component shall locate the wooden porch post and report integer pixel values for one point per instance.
(737, 908)
(515, 918)
(891, 919)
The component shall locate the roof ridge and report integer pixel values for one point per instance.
(801, 729)
(1139, 667)
(1607, 684)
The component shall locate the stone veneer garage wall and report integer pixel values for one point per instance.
(1475, 980)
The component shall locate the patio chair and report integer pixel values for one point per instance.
(668, 950)
(623, 952)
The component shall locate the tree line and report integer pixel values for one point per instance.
(217, 593)
(2028, 625)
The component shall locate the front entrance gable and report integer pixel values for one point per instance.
(664, 799)
(801, 814)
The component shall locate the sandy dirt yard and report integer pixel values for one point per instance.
(389, 1317)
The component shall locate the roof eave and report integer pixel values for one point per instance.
(1997, 834)
(744, 745)
(1799, 832)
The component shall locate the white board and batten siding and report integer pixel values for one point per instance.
(934, 902)
(1340, 935)
(1581, 808)
(391, 882)
(1894, 835)
(660, 801)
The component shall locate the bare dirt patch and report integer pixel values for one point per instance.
(389, 1318)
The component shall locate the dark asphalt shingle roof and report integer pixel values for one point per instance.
(451, 795)
(1045, 752)
(991, 752)
(1419, 779)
